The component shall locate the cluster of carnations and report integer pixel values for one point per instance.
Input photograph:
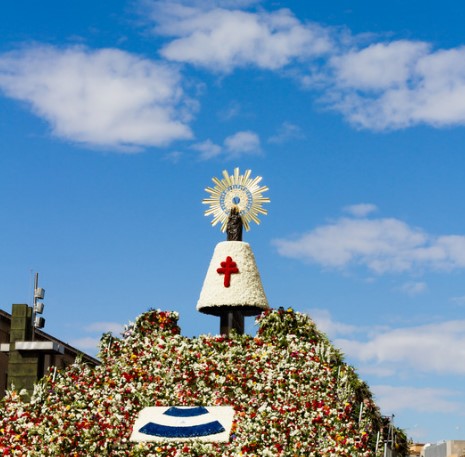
(291, 391)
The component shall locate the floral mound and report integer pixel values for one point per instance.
(291, 391)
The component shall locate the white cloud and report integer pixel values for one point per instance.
(231, 111)
(399, 84)
(207, 149)
(90, 343)
(441, 98)
(422, 399)
(384, 85)
(222, 39)
(381, 245)
(103, 327)
(86, 344)
(361, 209)
(379, 66)
(414, 288)
(378, 371)
(326, 324)
(432, 348)
(112, 99)
(173, 156)
(241, 143)
(286, 132)
(234, 146)
(107, 98)
(459, 301)
(209, 4)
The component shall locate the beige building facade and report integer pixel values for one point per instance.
(452, 448)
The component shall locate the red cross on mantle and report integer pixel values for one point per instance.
(228, 267)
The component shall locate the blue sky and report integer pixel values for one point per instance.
(115, 116)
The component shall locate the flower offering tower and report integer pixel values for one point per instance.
(232, 288)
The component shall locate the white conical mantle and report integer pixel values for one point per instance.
(244, 292)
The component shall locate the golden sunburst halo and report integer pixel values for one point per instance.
(236, 191)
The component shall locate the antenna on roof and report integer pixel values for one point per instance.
(37, 306)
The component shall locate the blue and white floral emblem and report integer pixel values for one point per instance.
(181, 423)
